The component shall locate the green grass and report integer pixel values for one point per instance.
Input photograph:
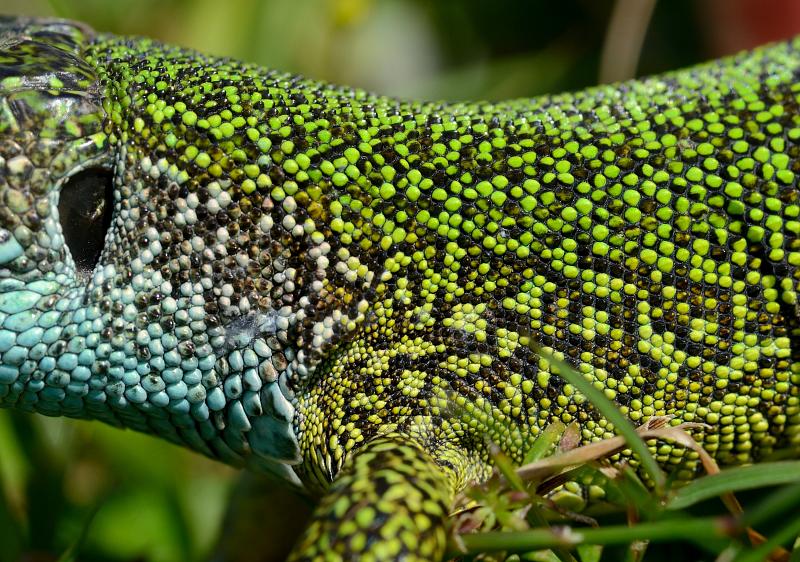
(69, 488)
(718, 536)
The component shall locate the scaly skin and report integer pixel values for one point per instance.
(341, 287)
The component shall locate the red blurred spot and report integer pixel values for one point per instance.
(735, 25)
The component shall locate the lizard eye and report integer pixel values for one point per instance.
(85, 207)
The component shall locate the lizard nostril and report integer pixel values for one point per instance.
(85, 208)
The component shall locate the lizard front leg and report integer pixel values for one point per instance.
(390, 502)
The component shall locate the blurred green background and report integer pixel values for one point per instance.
(81, 491)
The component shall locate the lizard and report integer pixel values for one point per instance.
(359, 294)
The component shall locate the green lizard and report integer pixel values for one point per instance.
(346, 290)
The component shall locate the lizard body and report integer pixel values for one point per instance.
(345, 289)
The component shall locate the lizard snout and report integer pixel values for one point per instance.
(45, 55)
(52, 129)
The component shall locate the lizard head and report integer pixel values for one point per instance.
(109, 288)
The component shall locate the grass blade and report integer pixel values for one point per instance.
(708, 532)
(778, 537)
(545, 442)
(735, 479)
(71, 553)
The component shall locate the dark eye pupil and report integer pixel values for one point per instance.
(85, 208)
